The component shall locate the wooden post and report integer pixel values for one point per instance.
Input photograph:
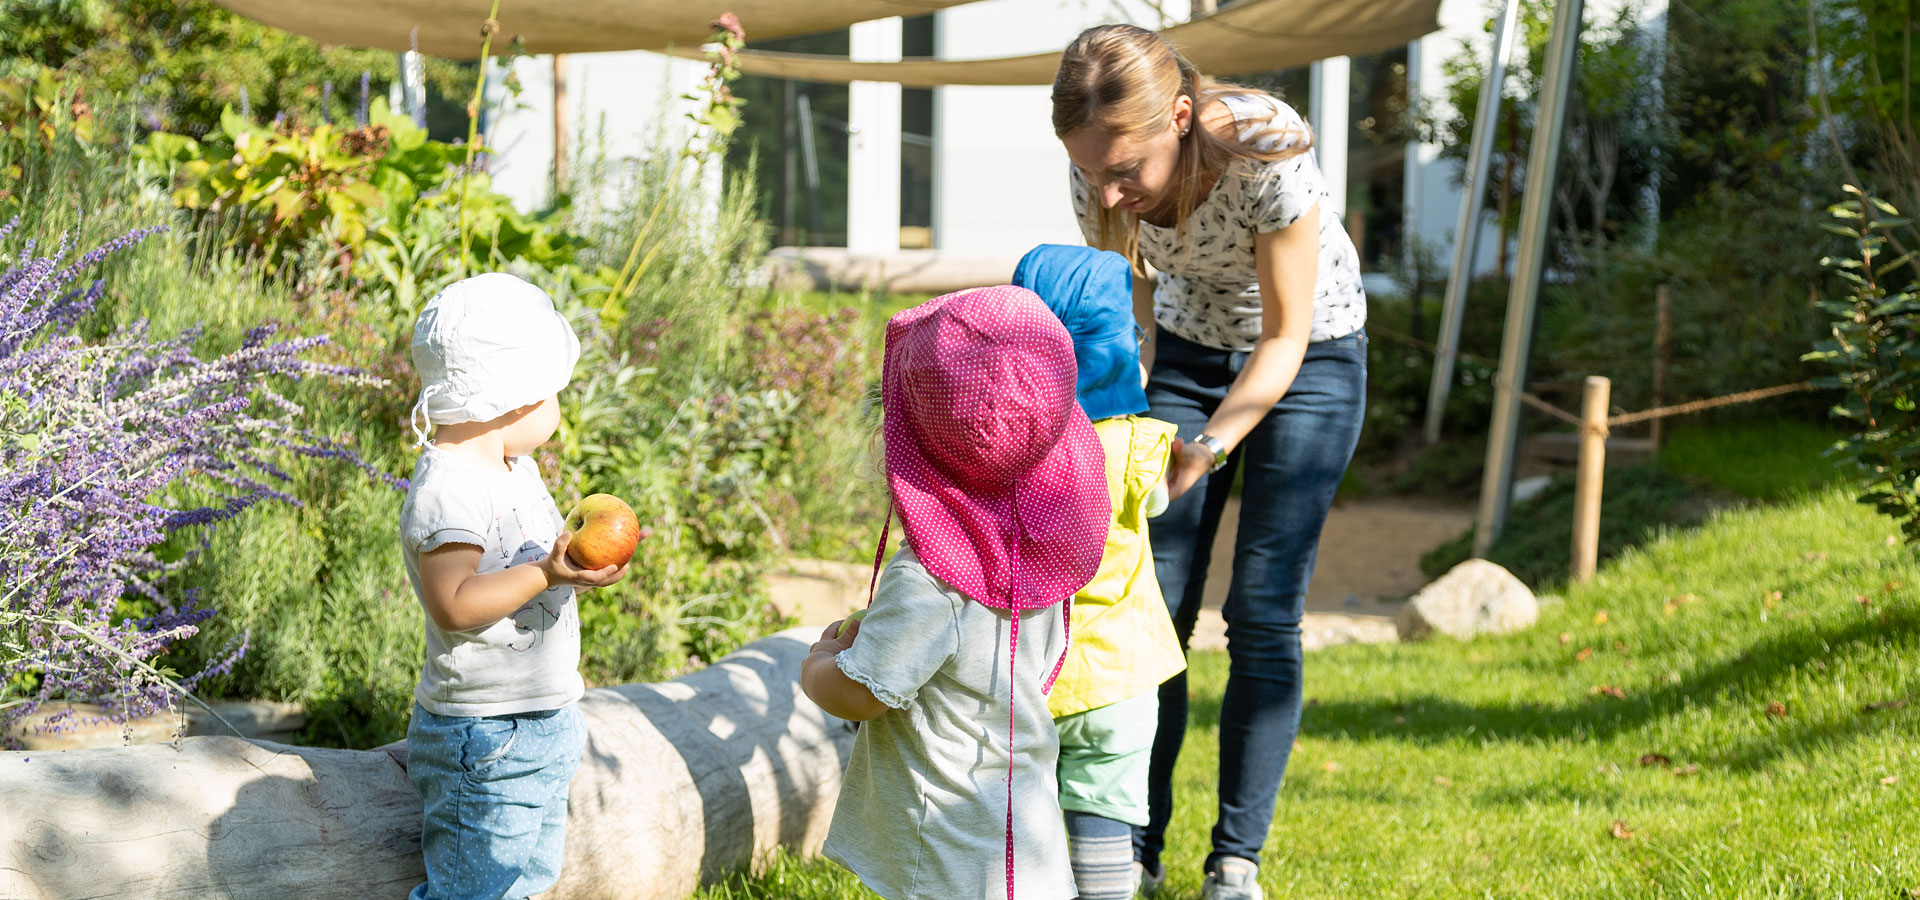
(559, 123)
(1662, 357)
(1593, 464)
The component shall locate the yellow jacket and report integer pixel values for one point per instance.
(1122, 639)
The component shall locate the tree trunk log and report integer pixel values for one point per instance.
(682, 783)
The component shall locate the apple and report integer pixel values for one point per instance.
(605, 531)
(851, 618)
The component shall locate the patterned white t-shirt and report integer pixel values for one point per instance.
(1208, 289)
(528, 661)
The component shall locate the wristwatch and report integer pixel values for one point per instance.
(1218, 448)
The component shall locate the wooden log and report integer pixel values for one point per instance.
(1593, 467)
(681, 783)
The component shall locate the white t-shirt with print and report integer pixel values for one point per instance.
(923, 805)
(1209, 289)
(528, 661)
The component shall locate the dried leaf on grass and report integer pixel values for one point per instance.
(1443, 781)
(1684, 771)
(1621, 831)
(1776, 710)
(1600, 618)
(1884, 704)
(1890, 779)
(1673, 605)
(1656, 759)
(1612, 690)
(1586, 653)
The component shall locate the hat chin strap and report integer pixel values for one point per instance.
(420, 420)
(1013, 649)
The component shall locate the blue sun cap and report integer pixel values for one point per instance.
(1091, 292)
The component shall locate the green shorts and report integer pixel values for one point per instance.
(1104, 755)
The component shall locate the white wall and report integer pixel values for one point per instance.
(1000, 176)
(873, 143)
(628, 102)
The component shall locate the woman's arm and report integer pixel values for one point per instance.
(1287, 262)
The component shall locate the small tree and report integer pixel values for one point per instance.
(1876, 349)
(1616, 124)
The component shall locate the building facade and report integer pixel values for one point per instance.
(973, 172)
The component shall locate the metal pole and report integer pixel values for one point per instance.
(1516, 346)
(559, 123)
(1466, 235)
(811, 163)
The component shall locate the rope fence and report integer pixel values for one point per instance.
(1539, 404)
(1594, 425)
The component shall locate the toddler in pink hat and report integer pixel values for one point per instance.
(1000, 481)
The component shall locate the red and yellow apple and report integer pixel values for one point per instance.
(605, 531)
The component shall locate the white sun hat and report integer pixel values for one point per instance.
(486, 346)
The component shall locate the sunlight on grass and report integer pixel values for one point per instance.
(1764, 460)
(1499, 768)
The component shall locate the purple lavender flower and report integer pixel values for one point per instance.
(107, 449)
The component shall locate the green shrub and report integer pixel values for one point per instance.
(1875, 346)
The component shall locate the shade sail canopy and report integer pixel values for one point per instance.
(1252, 36)
(451, 28)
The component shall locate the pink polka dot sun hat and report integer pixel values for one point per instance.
(992, 464)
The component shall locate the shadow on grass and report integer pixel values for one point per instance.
(1747, 680)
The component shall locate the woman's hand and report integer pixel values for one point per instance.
(1191, 462)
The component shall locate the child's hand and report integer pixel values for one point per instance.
(832, 641)
(561, 571)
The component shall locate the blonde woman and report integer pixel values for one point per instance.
(1255, 349)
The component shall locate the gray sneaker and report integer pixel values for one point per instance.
(1145, 883)
(1232, 879)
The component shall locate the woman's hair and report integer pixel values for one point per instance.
(1123, 80)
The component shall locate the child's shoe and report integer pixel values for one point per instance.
(1146, 883)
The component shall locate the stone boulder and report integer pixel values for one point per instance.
(1476, 597)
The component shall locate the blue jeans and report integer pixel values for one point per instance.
(496, 800)
(1294, 460)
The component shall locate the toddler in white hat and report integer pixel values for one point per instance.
(496, 733)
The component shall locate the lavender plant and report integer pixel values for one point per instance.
(109, 451)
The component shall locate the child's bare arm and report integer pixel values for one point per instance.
(821, 678)
(457, 599)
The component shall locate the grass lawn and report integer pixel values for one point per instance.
(1630, 745)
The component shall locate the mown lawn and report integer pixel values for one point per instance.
(1728, 711)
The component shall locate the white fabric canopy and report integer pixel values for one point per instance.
(1252, 36)
(451, 28)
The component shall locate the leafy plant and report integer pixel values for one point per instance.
(293, 184)
(1876, 349)
(179, 63)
